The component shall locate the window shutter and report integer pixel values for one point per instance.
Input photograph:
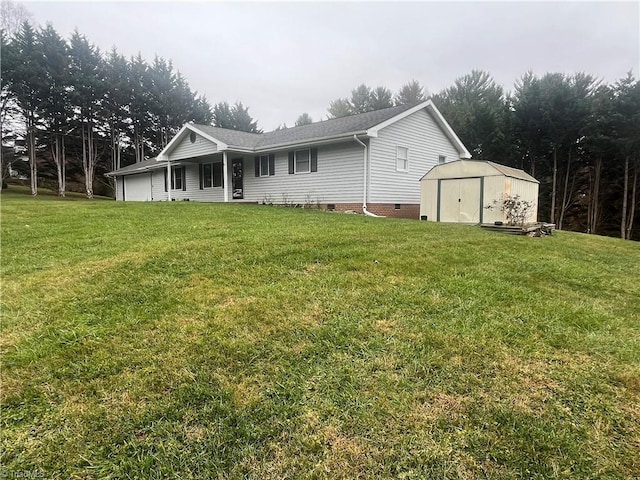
(314, 159)
(165, 180)
(291, 164)
(201, 176)
(257, 166)
(272, 164)
(184, 178)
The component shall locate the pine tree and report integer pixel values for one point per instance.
(55, 108)
(411, 92)
(381, 97)
(23, 74)
(303, 119)
(87, 71)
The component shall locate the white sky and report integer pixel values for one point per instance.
(282, 59)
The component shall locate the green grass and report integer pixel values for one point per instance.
(183, 340)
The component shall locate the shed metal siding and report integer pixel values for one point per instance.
(495, 188)
(426, 142)
(186, 149)
(526, 191)
(429, 199)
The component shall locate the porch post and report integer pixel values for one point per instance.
(226, 181)
(168, 185)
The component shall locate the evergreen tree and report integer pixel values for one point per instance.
(475, 108)
(24, 77)
(626, 122)
(140, 128)
(223, 116)
(411, 92)
(116, 104)
(242, 120)
(340, 108)
(55, 109)
(361, 99)
(381, 97)
(304, 119)
(88, 90)
(234, 118)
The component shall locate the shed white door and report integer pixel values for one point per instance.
(460, 200)
(137, 188)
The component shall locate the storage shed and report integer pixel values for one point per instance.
(459, 191)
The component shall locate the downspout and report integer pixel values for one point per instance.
(364, 189)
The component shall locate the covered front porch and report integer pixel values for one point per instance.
(217, 177)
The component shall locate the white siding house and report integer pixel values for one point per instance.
(371, 162)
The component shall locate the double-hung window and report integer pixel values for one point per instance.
(402, 159)
(207, 175)
(303, 161)
(177, 178)
(265, 165)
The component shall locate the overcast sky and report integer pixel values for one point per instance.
(282, 59)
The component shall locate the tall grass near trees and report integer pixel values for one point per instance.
(184, 340)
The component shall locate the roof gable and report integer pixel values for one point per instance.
(184, 135)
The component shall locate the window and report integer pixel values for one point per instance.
(207, 179)
(402, 159)
(442, 159)
(177, 178)
(265, 165)
(302, 161)
(211, 175)
(218, 180)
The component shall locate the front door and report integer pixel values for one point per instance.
(237, 184)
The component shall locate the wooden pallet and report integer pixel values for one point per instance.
(531, 229)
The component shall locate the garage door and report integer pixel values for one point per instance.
(460, 200)
(137, 188)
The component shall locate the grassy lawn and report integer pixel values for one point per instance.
(184, 340)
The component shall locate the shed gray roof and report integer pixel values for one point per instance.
(314, 131)
(512, 172)
(475, 168)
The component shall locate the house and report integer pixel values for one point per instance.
(370, 162)
(460, 191)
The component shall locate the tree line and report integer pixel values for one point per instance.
(77, 112)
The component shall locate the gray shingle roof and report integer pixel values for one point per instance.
(335, 127)
(305, 133)
(145, 165)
